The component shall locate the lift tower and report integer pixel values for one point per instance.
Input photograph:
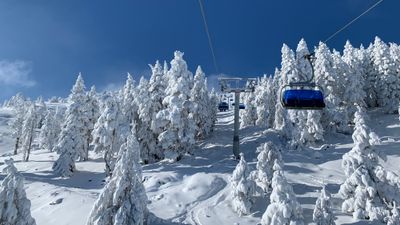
(237, 85)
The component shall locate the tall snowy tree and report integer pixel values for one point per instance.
(176, 120)
(269, 160)
(248, 116)
(326, 77)
(147, 141)
(388, 83)
(92, 111)
(14, 205)
(284, 207)
(369, 189)
(284, 118)
(354, 93)
(242, 188)
(72, 143)
(110, 131)
(127, 100)
(123, 199)
(323, 209)
(199, 97)
(49, 131)
(41, 110)
(264, 102)
(19, 105)
(28, 131)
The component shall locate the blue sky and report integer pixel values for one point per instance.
(45, 43)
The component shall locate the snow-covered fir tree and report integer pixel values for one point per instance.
(326, 77)
(341, 114)
(269, 160)
(201, 102)
(388, 83)
(127, 100)
(148, 142)
(264, 102)
(72, 143)
(288, 73)
(369, 75)
(28, 131)
(92, 111)
(110, 131)
(176, 119)
(248, 115)
(19, 105)
(322, 214)
(242, 188)
(213, 110)
(41, 111)
(123, 199)
(354, 93)
(49, 132)
(15, 207)
(284, 207)
(369, 189)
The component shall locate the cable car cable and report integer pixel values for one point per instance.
(354, 20)
(203, 14)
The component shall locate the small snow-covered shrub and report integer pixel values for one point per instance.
(242, 188)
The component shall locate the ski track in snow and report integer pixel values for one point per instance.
(196, 189)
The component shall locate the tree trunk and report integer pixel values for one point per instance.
(16, 146)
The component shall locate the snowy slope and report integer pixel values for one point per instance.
(196, 189)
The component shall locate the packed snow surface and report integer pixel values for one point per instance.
(196, 189)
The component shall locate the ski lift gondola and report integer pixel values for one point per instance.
(303, 95)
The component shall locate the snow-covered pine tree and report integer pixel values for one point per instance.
(395, 55)
(127, 101)
(242, 188)
(41, 111)
(307, 122)
(110, 131)
(354, 93)
(28, 131)
(92, 112)
(323, 209)
(123, 199)
(326, 77)
(369, 189)
(248, 116)
(199, 97)
(147, 141)
(288, 73)
(268, 156)
(213, 110)
(157, 85)
(284, 207)
(341, 114)
(19, 105)
(72, 143)
(175, 120)
(15, 207)
(49, 131)
(369, 74)
(388, 83)
(261, 96)
(314, 127)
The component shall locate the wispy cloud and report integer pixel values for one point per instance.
(16, 73)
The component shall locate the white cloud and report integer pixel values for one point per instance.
(16, 73)
(111, 87)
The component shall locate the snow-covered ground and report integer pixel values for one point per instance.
(196, 189)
